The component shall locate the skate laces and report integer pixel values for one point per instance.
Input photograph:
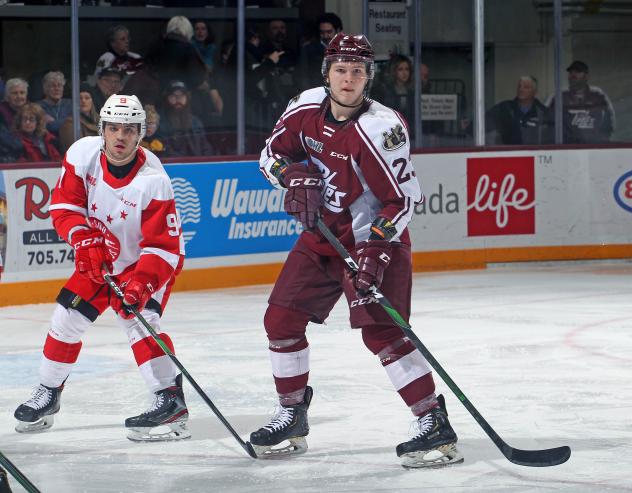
(40, 398)
(282, 418)
(159, 400)
(422, 425)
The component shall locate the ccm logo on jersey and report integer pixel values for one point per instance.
(339, 156)
(308, 182)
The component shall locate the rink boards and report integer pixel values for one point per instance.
(479, 208)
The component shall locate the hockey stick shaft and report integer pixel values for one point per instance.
(17, 474)
(534, 458)
(117, 291)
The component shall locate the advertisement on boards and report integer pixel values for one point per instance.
(230, 209)
(501, 196)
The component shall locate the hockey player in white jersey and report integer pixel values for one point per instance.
(114, 204)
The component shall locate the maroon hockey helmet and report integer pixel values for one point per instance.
(349, 48)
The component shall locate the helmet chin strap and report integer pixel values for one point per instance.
(347, 105)
(115, 161)
(329, 93)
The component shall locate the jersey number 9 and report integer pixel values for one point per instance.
(172, 224)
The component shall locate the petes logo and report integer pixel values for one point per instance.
(314, 144)
(187, 205)
(623, 191)
(394, 139)
(331, 195)
(500, 196)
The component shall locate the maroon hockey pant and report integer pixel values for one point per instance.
(307, 289)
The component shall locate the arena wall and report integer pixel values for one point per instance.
(480, 208)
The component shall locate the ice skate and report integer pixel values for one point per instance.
(289, 424)
(37, 414)
(165, 420)
(434, 443)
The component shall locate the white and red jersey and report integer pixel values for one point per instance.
(137, 213)
(365, 162)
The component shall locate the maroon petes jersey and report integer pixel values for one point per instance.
(365, 162)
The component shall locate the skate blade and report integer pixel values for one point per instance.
(164, 433)
(42, 424)
(442, 456)
(296, 446)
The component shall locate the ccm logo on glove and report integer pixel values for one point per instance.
(307, 182)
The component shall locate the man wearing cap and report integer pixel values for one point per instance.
(588, 114)
(181, 131)
(109, 82)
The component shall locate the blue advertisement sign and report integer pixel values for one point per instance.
(230, 209)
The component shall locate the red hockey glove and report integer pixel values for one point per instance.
(136, 292)
(373, 259)
(91, 254)
(304, 193)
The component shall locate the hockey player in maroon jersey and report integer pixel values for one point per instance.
(360, 178)
(115, 205)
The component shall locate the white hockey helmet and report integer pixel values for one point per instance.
(120, 108)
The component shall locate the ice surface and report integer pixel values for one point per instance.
(544, 351)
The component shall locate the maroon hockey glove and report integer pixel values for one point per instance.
(91, 254)
(373, 259)
(136, 292)
(304, 193)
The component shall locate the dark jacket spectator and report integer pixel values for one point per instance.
(204, 42)
(177, 59)
(56, 107)
(110, 82)
(118, 55)
(30, 127)
(11, 147)
(312, 53)
(588, 115)
(88, 120)
(397, 90)
(523, 120)
(180, 130)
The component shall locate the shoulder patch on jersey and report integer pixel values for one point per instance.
(394, 138)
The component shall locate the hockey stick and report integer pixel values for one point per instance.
(117, 290)
(17, 474)
(533, 458)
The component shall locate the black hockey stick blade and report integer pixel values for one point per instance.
(119, 293)
(531, 458)
(17, 474)
(536, 458)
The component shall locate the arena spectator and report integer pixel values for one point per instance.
(523, 120)
(118, 55)
(311, 59)
(180, 130)
(110, 82)
(88, 120)
(588, 115)
(397, 90)
(204, 42)
(56, 107)
(175, 58)
(15, 96)
(280, 84)
(151, 140)
(30, 127)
